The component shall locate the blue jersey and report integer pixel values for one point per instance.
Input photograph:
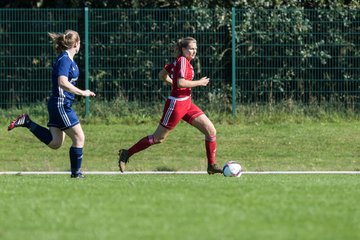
(64, 66)
(61, 115)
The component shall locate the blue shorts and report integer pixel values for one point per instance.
(61, 115)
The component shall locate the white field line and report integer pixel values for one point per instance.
(175, 173)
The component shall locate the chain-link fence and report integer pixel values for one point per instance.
(251, 55)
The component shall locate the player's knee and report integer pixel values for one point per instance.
(159, 140)
(79, 140)
(82, 140)
(55, 144)
(79, 143)
(211, 132)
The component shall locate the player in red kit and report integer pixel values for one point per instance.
(179, 106)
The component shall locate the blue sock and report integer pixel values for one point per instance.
(43, 134)
(76, 155)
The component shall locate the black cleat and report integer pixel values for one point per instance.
(123, 159)
(213, 169)
(21, 121)
(77, 175)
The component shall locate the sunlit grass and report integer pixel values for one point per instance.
(180, 207)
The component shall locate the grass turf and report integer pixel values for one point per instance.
(179, 207)
(185, 206)
(263, 147)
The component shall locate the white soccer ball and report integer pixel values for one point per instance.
(232, 169)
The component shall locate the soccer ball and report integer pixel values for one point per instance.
(232, 169)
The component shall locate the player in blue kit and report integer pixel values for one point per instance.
(62, 118)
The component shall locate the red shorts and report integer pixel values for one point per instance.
(179, 108)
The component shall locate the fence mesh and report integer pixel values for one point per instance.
(281, 54)
(297, 54)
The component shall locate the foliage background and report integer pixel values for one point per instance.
(284, 51)
(176, 4)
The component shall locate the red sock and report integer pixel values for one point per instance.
(210, 144)
(144, 143)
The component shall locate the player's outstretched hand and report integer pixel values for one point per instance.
(88, 93)
(204, 81)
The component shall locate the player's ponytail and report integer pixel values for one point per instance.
(182, 43)
(64, 41)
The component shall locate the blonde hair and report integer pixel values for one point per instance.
(64, 41)
(182, 43)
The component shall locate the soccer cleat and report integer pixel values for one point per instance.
(21, 121)
(213, 169)
(77, 175)
(123, 159)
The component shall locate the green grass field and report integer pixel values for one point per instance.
(186, 206)
(258, 147)
(180, 207)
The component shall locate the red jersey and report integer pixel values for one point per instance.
(180, 68)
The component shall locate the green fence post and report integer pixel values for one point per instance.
(86, 17)
(233, 61)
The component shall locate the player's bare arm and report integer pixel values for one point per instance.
(182, 83)
(164, 76)
(67, 86)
